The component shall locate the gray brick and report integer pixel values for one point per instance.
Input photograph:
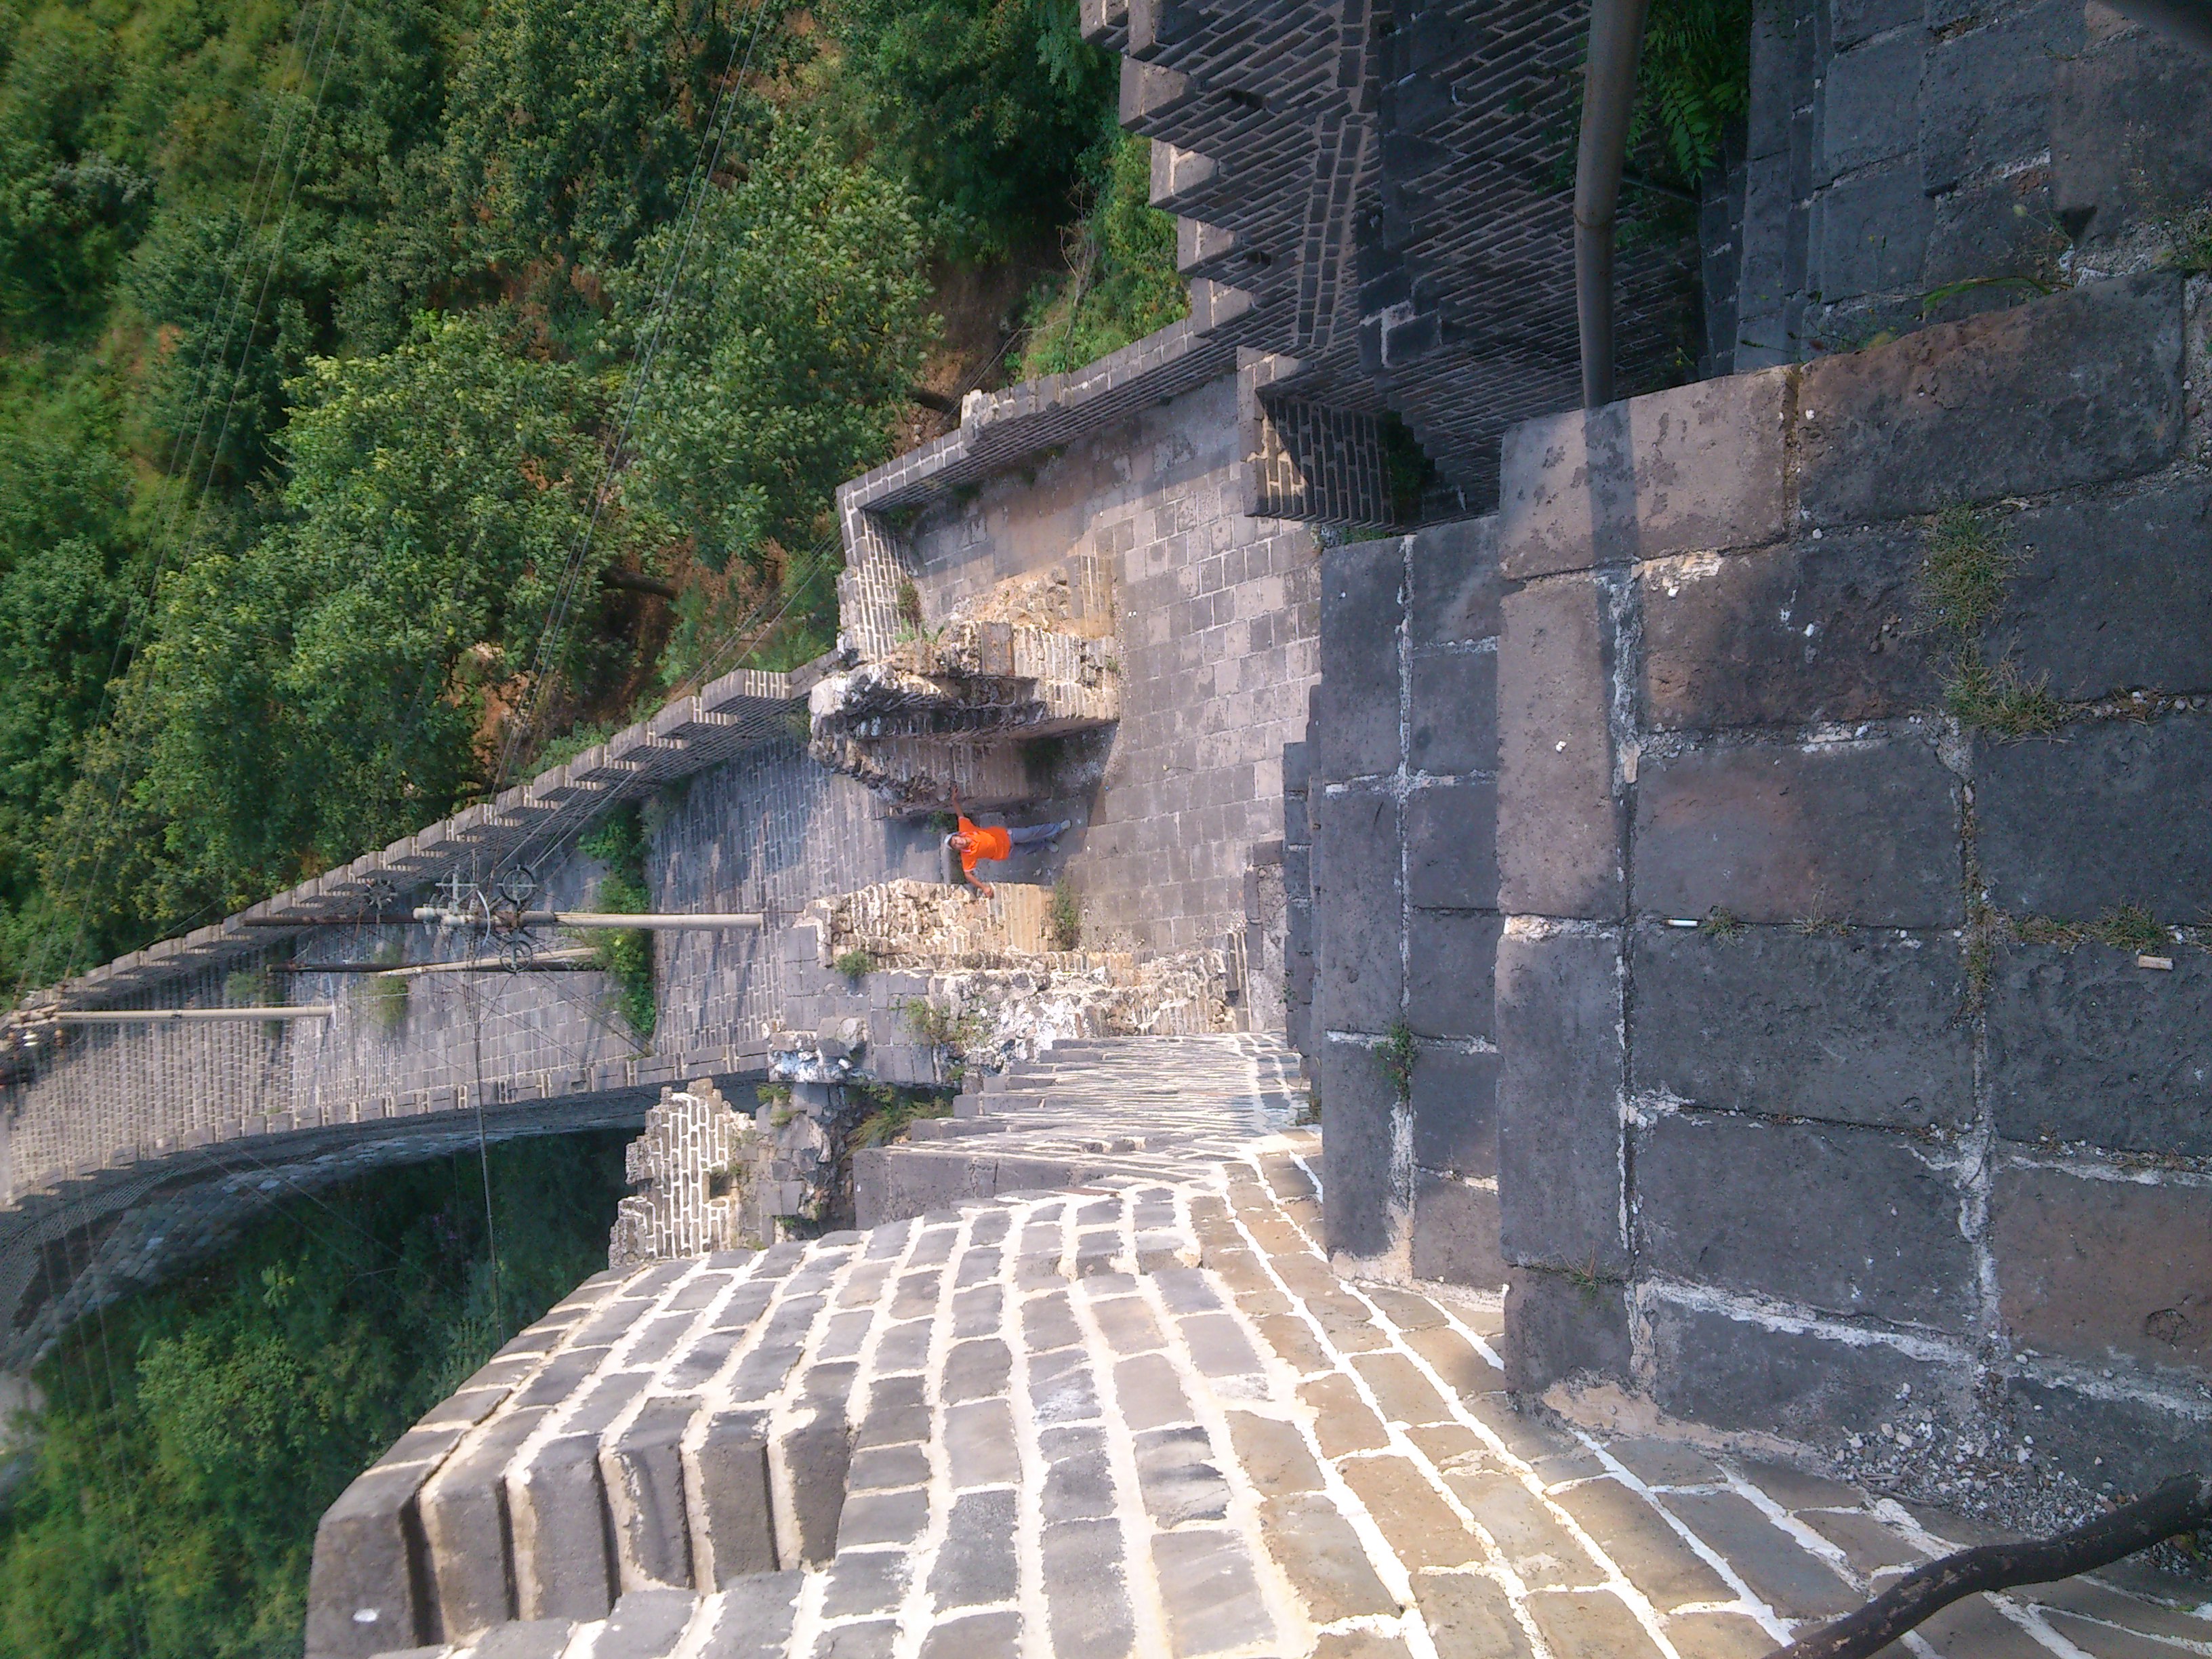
(1696, 469)
(2085, 1046)
(756, 1617)
(1078, 1483)
(361, 1566)
(979, 1636)
(2113, 816)
(1358, 970)
(1559, 1102)
(2102, 1271)
(975, 1565)
(1850, 21)
(1741, 1373)
(1847, 1220)
(816, 1458)
(1357, 1103)
(1455, 712)
(644, 1476)
(645, 1624)
(2001, 227)
(2113, 593)
(1819, 630)
(1863, 1029)
(1177, 1479)
(1560, 1327)
(1874, 234)
(1356, 733)
(1862, 832)
(2140, 1442)
(1454, 1105)
(2075, 389)
(1456, 1232)
(2122, 118)
(1207, 1584)
(1456, 584)
(1451, 846)
(1869, 103)
(1791, 1580)
(1086, 1591)
(733, 1529)
(1452, 957)
(554, 1503)
(1986, 93)
(531, 1638)
(1558, 839)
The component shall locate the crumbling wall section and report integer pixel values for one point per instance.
(1853, 844)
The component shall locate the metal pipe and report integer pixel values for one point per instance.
(1616, 38)
(184, 1016)
(590, 918)
(564, 961)
(2189, 22)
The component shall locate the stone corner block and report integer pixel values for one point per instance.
(1695, 468)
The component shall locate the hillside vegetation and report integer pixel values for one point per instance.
(391, 385)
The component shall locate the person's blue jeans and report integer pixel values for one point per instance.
(1029, 833)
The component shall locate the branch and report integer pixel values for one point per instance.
(630, 583)
(2182, 1505)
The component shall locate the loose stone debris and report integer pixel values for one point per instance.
(1142, 1416)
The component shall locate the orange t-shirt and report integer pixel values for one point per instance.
(993, 844)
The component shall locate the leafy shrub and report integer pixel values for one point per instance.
(625, 953)
(1064, 920)
(1123, 284)
(1693, 79)
(855, 965)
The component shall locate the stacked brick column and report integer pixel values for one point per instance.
(1403, 803)
(1833, 1106)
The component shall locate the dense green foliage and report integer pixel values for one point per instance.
(1123, 284)
(1693, 79)
(194, 1434)
(619, 843)
(996, 110)
(345, 343)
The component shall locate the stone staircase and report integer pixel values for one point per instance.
(1138, 1416)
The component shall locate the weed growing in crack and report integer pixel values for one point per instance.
(1721, 925)
(1064, 920)
(855, 964)
(1996, 699)
(1396, 1055)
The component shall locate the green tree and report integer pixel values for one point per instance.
(1124, 285)
(336, 683)
(781, 355)
(193, 1436)
(989, 107)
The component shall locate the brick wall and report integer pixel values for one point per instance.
(1911, 163)
(1401, 797)
(1839, 1099)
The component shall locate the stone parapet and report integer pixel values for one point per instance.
(1851, 980)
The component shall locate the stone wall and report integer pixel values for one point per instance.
(1401, 796)
(1911, 162)
(1854, 1012)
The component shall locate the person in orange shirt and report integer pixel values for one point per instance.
(975, 844)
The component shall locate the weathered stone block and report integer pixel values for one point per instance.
(732, 1526)
(1874, 234)
(2114, 816)
(643, 1472)
(2114, 593)
(1456, 1232)
(1864, 1029)
(361, 1592)
(1736, 1372)
(2085, 1046)
(1559, 1101)
(1456, 584)
(1455, 712)
(2128, 121)
(1358, 970)
(1452, 957)
(1850, 21)
(1451, 846)
(1455, 1103)
(1357, 1106)
(1561, 1329)
(2001, 227)
(2134, 1444)
(1356, 727)
(1986, 94)
(2081, 387)
(1558, 835)
(2103, 1269)
(1818, 630)
(1843, 1219)
(1696, 469)
(1870, 103)
(1864, 832)
(554, 1503)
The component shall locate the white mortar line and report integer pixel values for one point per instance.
(914, 1615)
(1147, 1608)
(1029, 1489)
